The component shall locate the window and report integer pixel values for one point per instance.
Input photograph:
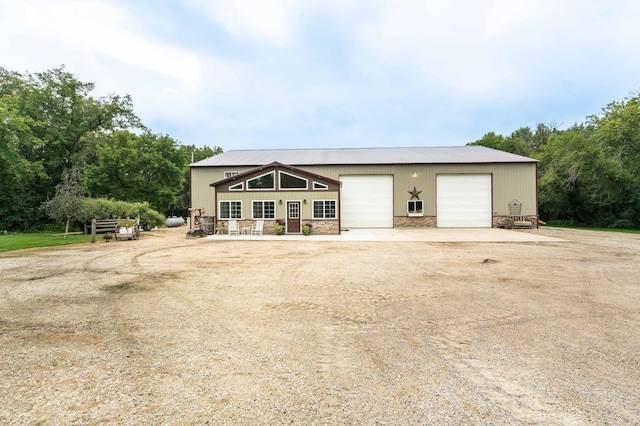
(318, 185)
(288, 181)
(415, 206)
(266, 181)
(230, 210)
(264, 210)
(324, 209)
(229, 174)
(237, 187)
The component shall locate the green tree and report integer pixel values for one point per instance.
(581, 182)
(68, 203)
(138, 168)
(60, 125)
(102, 208)
(522, 141)
(192, 154)
(18, 198)
(617, 133)
(490, 140)
(541, 136)
(561, 176)
(517, 143)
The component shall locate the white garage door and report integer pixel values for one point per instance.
(366, 201)
(464, 201)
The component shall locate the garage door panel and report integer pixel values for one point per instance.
(366, 201)
(464, 201)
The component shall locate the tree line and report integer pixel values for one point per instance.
(588, 174)
(66, 155)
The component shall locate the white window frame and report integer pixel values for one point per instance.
(230, 215)
(320, 186)
(263, 189)
(415, 211)
(229, 174)
(263, 209)
(306, 182)
(231, 187)
(313, 209)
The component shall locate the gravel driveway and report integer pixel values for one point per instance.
(166, 330)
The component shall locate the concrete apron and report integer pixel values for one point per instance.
(436, 235)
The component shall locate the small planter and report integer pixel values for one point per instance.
(220, 228)
(198, 233)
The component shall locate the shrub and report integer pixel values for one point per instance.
(622, 223)
(102, 208)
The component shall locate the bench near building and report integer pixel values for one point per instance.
(338, 189)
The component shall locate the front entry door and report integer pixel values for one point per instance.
(293, 217)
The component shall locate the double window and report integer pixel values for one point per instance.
(263, 209)
(324, 209)
(230, 210)
(415, 206)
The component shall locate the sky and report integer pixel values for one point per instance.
(274, 74)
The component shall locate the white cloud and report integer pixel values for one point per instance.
(269, 21)
(104, 28)
(268, 72)
(505, 17)
(501, 48)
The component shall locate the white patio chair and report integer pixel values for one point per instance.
(233, 227)
(257, 230)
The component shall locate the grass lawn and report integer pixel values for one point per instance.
(21, 241)
(586, 228)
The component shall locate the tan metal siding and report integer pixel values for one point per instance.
(202, 195)
(510, 180)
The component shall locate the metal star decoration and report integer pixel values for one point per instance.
(415, 194)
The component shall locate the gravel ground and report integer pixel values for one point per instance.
(166, 330)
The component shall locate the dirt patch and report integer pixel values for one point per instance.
(165, 330)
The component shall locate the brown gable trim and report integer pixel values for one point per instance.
(241, 177)
(267, 168)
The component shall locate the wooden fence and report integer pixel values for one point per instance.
(99, 226)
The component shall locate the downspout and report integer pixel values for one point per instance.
(339, 208)
(191, 185)
(537, 202)
(215, 206)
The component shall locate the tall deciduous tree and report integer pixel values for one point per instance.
(19, 199)
(618, 135)
(138, 168)
(522, 141)
(588, 174)
(62, 120)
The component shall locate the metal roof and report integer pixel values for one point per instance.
(345, 156)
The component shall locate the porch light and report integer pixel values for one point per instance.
(279, 201)
(415, 174)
